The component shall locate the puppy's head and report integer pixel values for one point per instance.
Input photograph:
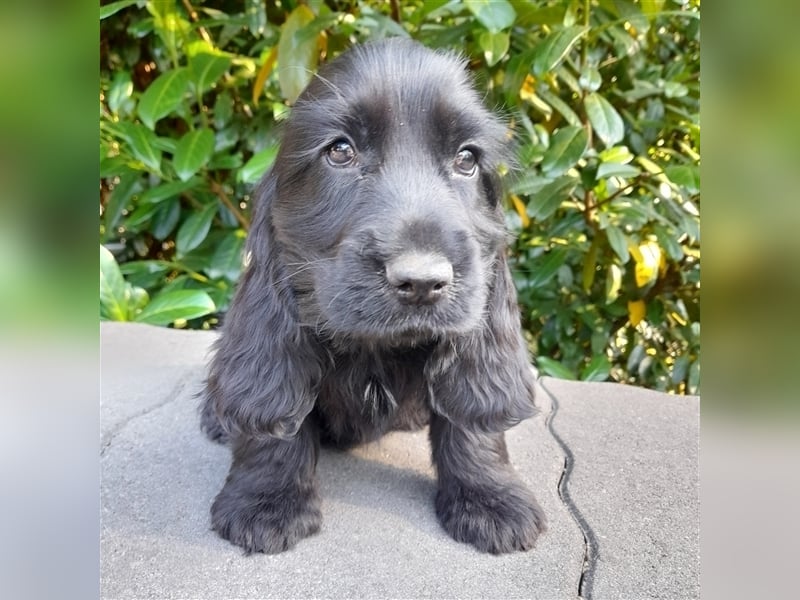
(386, 206)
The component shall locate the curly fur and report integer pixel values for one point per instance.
(376, 297)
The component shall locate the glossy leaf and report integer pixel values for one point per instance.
(163, 96)
(195, 229)
(142, 144)
(192, 153)
(164, 191)
(119, 93)
(494, 46)
(553, 368)
(167, 307)
(604, 118)
(227, 259)
(618, 242)
(598, 369)
(495, 15)
(547, 200)
(547, 267)
(206, 69)
(114, 7)
(113, 303)
(566, 148)
(550, 52)
(297, 55)
(259, 163)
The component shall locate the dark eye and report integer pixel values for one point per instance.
(465, 162)
(341, 153)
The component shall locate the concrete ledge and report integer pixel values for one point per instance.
(623, 517)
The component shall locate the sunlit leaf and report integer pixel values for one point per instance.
(163, 96)
(113, 304)
(550, 52)
(258, 164)
(142, 144)
(553, 368)
(192, 153)
(494, 46)
(297, 54)
(495, 15)
(604, 118)
(566, 148)
(206, 69)
(167, 307)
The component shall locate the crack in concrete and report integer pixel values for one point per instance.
(590, 543)
(170, 397)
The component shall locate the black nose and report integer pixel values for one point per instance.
(419, 278)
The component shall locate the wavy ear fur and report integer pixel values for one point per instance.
(484, 380)
(265, 371)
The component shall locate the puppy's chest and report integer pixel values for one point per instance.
(374, 387)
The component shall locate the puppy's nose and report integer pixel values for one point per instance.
(419, 278)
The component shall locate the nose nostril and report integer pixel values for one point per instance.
(419, 278)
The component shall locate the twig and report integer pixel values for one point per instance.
(217, 189)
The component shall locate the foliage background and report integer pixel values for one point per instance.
(602, 97)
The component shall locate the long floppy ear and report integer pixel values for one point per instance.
(265, 371)
(484, 380)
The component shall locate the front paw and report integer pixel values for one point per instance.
(266, 523)
(493, 520)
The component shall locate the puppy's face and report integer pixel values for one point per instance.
(387, 198)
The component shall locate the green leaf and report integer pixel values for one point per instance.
(193, 151)
(549, 53)
(119, 92)
(297, 54)
(113, 303)
(553, 368)
(494, 46)
(223, 110)
(598, 369)
(685, 176)
(590, 79)
(165, 219)
(618, 242)
(256, 16)
(194, 229)
(611, 169)
(566, 148)
(227, 259)
(167, 190)
(118, 200)
(163, 96)
(114, 7)
(604, 118)
(141, 142)
(258, 164)
(545, 269)
(167, 307)
(547, 200)
(495, 15)
(206, 69)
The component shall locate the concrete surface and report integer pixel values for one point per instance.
(614, 467)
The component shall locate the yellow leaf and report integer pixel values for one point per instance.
(263, 73)
(636, 311)
(519, 206)
(648, 258)
(528, 88)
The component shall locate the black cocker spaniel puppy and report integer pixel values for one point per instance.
(376, 296)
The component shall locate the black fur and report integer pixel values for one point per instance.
(376, 296)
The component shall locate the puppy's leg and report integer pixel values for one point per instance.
(270, 500)
(210, 425)
(480, 499)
